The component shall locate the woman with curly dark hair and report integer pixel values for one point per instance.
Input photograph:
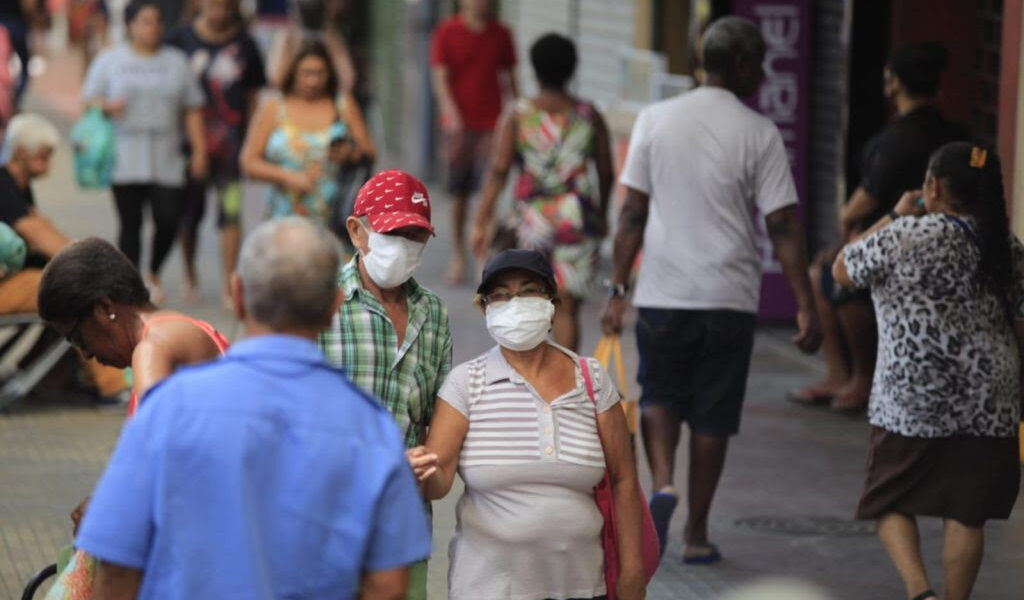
(947, 282)
(93, 295)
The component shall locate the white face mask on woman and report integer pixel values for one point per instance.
(521, 323)
(391, 259)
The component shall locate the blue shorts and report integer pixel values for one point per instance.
(695, 362)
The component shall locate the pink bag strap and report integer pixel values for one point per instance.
(588, 381)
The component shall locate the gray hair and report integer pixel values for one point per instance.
(728, 38)
(31, 133)
(288, 269)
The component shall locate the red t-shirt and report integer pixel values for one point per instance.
(474, 59)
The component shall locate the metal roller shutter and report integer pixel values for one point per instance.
(605, 26)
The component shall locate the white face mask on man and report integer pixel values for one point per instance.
(521, 323)
(391, 259)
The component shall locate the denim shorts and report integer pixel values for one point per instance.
(695, 362)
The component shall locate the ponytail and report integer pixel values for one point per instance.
(993, 229)
(973, 176)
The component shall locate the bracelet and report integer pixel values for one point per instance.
(894, 215)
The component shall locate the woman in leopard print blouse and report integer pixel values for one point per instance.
(947, 282)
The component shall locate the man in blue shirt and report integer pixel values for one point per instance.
(265, 474)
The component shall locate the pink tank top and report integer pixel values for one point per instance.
(219, 340)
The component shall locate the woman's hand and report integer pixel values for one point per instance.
(424, 463)
(113, 108)
(631, 586)
(908, 206)
(299, 182)
(78, 514)
(342, 152)
(198, 166)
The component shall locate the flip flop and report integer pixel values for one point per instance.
(704, 559)
(662, 505)
(809, 396)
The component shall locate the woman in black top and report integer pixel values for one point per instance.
(228, 65)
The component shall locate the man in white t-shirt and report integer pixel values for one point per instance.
(698, 167)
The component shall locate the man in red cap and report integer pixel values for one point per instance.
(390, 334)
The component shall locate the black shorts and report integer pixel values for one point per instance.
(695, 362)
(838, 295)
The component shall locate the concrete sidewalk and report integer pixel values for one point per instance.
(785, 504)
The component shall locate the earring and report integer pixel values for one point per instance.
(112, 316)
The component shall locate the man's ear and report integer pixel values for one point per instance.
(356, 232)
(237, 297)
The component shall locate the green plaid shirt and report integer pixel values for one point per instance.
(362, 340)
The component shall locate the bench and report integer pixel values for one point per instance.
(19, 333)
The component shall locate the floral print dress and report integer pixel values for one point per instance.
(297, 149)
(556, 212)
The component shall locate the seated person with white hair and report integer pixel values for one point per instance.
(28, 146)
(266, 473)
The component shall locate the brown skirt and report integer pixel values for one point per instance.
(966, 478)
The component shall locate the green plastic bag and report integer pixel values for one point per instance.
(12, 251)
(92, 139)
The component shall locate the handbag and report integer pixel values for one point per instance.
(605, 498)
(76, 580)
(92, 139)
(609, 353)
(12, 251)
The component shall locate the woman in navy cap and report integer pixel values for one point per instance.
(518, 425)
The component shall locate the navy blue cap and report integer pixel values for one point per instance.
(511, 260)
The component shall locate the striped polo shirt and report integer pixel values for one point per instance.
(509, 423)
(527, 525)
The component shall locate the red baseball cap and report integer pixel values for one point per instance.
(394, 199)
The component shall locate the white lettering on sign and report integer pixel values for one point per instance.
(779, 97)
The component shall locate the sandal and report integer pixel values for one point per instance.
(708, 559)
(925, 595)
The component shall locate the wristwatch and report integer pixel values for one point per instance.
(894, 215)
(616, 290)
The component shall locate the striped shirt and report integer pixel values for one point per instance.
(509, 423)
(362, 340)
(526, 464)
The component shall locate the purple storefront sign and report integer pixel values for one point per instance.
(784, 98)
